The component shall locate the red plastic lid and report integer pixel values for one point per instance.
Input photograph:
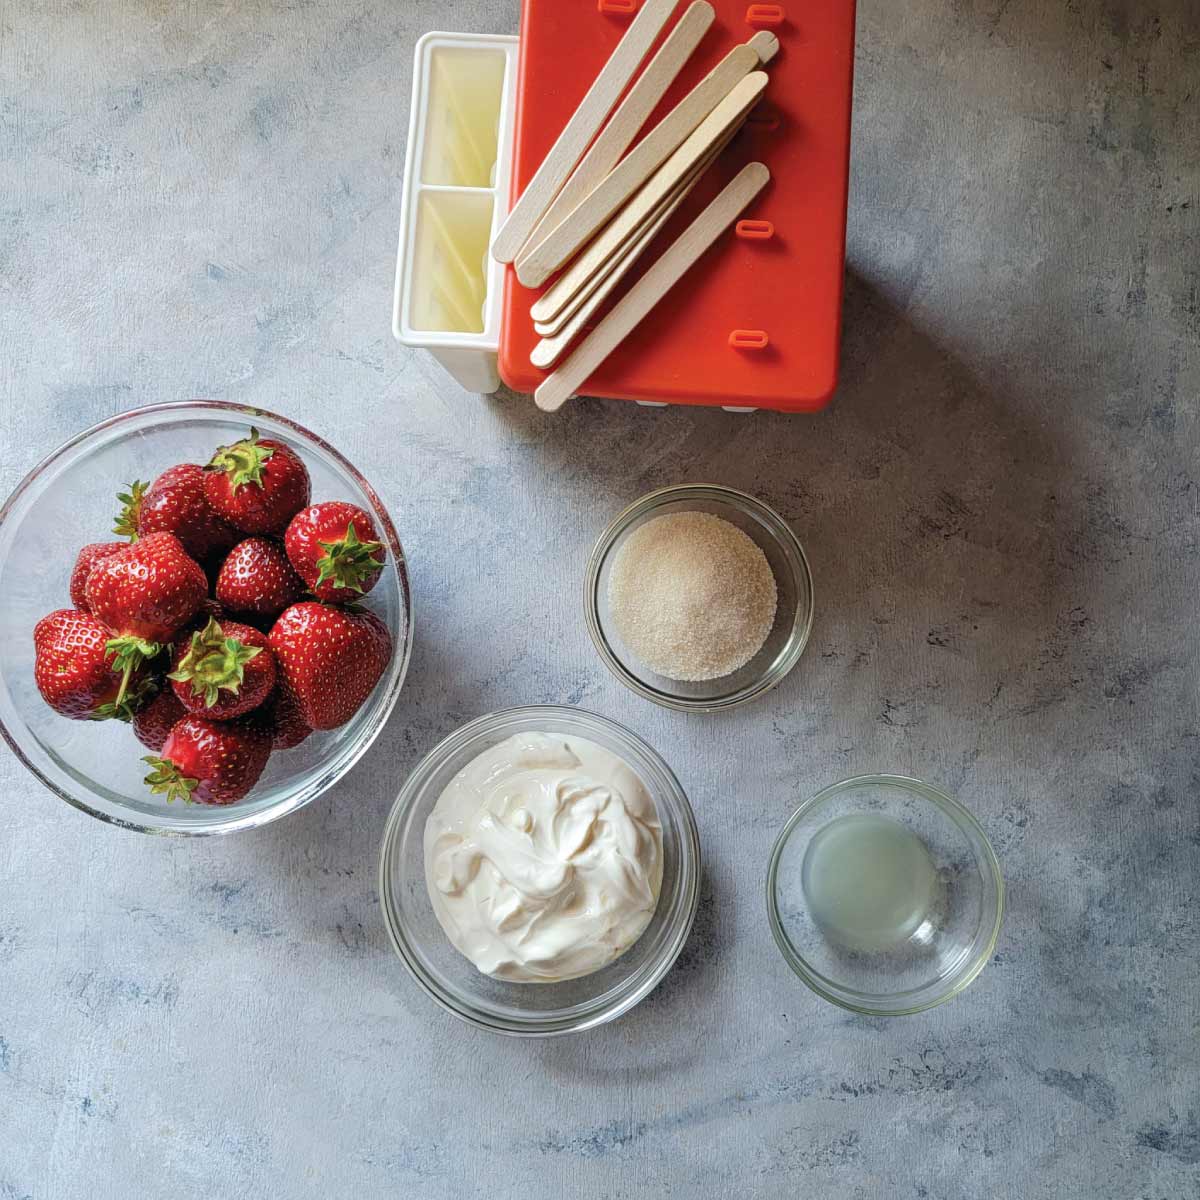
(757, 321)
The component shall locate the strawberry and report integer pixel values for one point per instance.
(209, 762)
(224, 656)
(281, 714)
(154, 721)
(88, 557)
(256, 484)
(330, 659)
(257, 578)
(208, 608)
(146, 591)
(78, 671)
(175, 503)
(335, 550)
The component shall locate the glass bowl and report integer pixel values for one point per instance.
(937, 947)
(793, 617)
(69, 500)
(542, 1009)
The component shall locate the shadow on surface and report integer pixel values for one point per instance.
(921, 488)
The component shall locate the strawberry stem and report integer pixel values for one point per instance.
(167, 779)
(347, 561)
(242, 461)
(127, 703)
(129, 654)
(126, 523)
(214, 661)
(124, 686)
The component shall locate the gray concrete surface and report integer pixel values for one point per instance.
(1001, 510)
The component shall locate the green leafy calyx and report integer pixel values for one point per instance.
(243, 461)
(348, 562)
(167, 779)
(126, 523)
(129, 653)
(126, 707)
(214, 662)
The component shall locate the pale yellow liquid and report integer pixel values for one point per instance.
(869, 881)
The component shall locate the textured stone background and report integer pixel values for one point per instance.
(201, 200)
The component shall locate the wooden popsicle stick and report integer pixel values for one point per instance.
(582, 127)
(630, 115)
(765, 44)
(538, 261)
(652, 287)
(556, 341)
(726, 116)
(553, 325)
(565, 327)
(559, 334)
(556, 323)
(715, 130)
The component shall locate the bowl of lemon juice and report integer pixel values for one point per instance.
(884, 895)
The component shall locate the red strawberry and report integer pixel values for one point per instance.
(155, 720)
(208, 608)
(148, 590)
(283, 719)
(78, 671)
(89, 556)
(335, 550)
(257, 485)
(175, 503)
(257, 578)
(209, 762)
(330, 659)
(223, 657)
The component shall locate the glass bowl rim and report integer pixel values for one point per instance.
(784, 534)
(686, 899)
(827, 989)
(370, 732)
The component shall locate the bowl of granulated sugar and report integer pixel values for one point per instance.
(699, 597)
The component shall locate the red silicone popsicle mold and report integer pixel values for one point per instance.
(757, 321)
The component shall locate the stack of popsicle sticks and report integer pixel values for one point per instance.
(612, 247)
(614, 139)
(558, 335)
(588, 213)
(665, 272)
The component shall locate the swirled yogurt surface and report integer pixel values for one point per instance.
(543, 858)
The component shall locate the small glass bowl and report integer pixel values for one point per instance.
(543, 1009)
(793, 617)
(67, 501)
(949, 947)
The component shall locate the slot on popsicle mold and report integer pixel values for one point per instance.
(755, 231)
(765, 16)
(455, 196)
(749, 339)
(764, 119)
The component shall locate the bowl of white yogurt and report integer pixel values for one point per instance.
(540, 871)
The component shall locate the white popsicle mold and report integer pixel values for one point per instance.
(456, 181)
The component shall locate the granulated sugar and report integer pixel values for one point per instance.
(692, 596)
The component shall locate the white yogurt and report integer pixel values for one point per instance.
(543, 858)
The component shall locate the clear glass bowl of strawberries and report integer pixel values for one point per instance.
(206, 621)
